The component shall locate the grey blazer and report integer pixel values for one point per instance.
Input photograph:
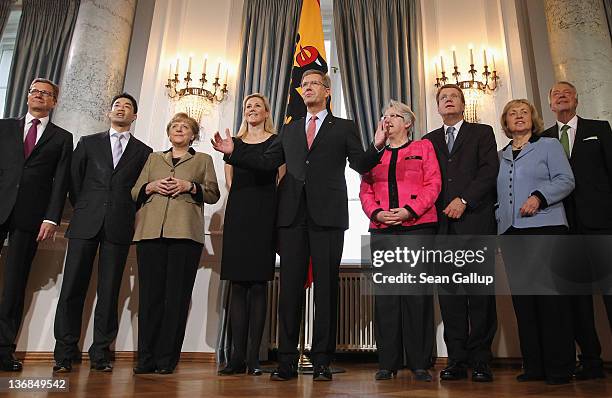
(540, 168)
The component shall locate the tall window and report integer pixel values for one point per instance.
(7, 47)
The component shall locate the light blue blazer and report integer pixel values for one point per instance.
(540, 166)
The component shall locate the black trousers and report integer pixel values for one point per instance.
(166, 274)
(470, 324)
(298, 243)
(583, 314)
(19, 255)
(77, 274)
(544, 322)
(404, 324)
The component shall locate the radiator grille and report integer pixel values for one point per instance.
(355, 330)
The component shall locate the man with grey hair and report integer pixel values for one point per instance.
(588, 145)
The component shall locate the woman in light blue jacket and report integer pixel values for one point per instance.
(534, 178)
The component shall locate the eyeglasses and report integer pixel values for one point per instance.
(44, 93)
(312, 83)
(391, 116)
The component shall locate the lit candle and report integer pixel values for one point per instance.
(189, 68)
(442, 63)
(493, 55)
(170, 71)
(226, 73)
(484, 56)
(176, 72)
(471, 57)
(218, 69)
(454, 58)
(436, 64)
(205, 59)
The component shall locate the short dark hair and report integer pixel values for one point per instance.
(49, 82)
(450, 85)
(128, 96)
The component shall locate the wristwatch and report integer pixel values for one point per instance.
(463, 201)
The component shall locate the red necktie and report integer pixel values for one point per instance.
(30, 139)
(310, 132)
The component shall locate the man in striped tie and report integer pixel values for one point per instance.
(588, 145)
(34, 175)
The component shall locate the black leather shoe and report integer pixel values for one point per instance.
(454, 371)
(322, 373)
(557, 380)
(525, 377)
(101, 366)
(422, 375)
(283, 373)
(481, 372)
(589, 373)
(142, 370)
(385, 374)
(165, 371)
(232, 370)
(10, 364)
(64, 366)
(254, 371)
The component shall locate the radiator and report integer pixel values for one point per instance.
(355, 331)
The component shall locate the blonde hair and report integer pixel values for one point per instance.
(537, 124)
(268, 124)
(405, 111)
(191, 122)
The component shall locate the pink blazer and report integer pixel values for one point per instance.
(418, 184)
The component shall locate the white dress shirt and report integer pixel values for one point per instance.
(126, 137)
(320, 117)
(571, 132)
(457, 126)
(39, 129)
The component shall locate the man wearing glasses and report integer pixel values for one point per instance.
(312, 215)
(34, 176)
(467, 154)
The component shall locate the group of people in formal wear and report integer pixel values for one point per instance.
(287, 194)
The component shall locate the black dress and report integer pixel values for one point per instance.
(249, 236)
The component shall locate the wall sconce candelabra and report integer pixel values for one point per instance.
(196, 101)
(474, 87)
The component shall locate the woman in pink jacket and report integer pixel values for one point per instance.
(398, 196)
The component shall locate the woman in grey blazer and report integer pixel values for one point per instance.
(534, 177)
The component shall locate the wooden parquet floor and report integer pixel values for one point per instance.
(200, 380)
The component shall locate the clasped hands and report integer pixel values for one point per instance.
(168, 186)
(394, 216)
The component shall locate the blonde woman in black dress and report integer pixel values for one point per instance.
(249, 239)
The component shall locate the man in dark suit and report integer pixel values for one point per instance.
(34, 176)
(467, 154)
(588, 144)
(105, 167)
(312, 215)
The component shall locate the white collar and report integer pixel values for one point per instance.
(457, 126)
(320, 116)
(573, 123)
(43, 120)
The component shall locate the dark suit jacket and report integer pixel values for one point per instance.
(99, 193)
(33, 189)
(318, 172)
(468, 172)
(591, 160)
